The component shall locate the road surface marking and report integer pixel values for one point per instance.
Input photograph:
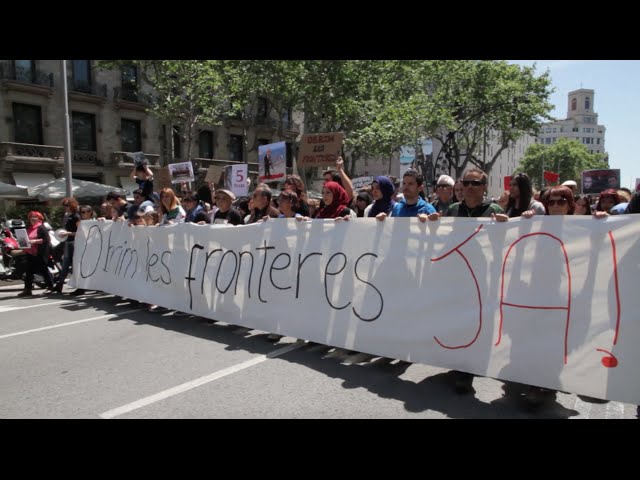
(24, 332)
(10, 308)
(197, 382)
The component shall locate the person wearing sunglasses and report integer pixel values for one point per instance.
(557, 201)
(192, 207)
(444, 191)
(473, 204)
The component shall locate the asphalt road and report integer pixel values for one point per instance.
(99, 356)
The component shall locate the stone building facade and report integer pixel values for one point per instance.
(108, 118)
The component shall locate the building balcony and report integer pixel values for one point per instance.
(25, 80)
(86, 157)
(94, 92)
(261, 121)
(290, 126)
(131, 98)
(12, 149)
(35, 157)
(200, 164)
(122, 160)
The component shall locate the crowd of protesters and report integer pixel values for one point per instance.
(385, 197)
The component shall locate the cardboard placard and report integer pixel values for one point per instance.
(320, 149)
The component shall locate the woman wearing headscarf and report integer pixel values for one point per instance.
(37, 254)
(382, 190)
(336, 202)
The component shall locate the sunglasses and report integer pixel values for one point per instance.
(559, 202)
(443, 186)
(475, 183)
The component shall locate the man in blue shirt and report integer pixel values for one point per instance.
(412, 204)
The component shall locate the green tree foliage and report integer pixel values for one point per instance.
(481, 98)
(380, 105)
(566, 157)
(186, 93)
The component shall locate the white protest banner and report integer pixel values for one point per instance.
(360, 182)
(181, 172)
(548, 301)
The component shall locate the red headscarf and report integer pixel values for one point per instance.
(340, 201)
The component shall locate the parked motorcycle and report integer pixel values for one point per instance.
(13, 263)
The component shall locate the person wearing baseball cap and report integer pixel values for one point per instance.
(573, 186)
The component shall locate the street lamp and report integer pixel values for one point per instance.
(67, 134)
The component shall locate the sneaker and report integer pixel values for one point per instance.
(77, 292)
(25, 293)
(274, 336)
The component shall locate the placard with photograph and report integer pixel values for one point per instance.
(181, 172)
(272, 161)
(23, 238)
(596, 181)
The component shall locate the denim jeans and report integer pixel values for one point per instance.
(67, 262)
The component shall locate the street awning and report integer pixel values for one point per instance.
(130, 185)
(24, 179)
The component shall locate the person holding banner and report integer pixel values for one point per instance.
(444, 190)
(193, 207)
(583, 205)
(336, 202)
(226, 213)
(262, 204)
(607, 200)
(170, 208)
(521, 197)
(473, 205)
(382, 190)
(557, 201)
(287, 203)
(294, 183)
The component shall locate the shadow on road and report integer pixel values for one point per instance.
(380, 376)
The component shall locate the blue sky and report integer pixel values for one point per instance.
(616, 101)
